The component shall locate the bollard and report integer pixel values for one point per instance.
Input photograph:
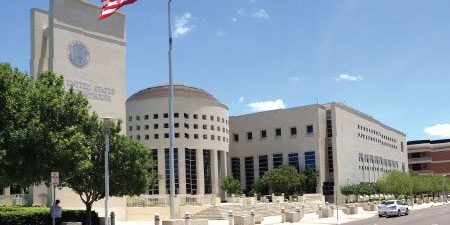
(230, 218)
(283, 215)
(157, 219)
(113, 218)
(252, 215)
(187, 218)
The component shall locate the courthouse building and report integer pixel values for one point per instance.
(426, 156)
(201, 137)
(342, 144)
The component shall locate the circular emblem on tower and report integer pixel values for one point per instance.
(78, 54)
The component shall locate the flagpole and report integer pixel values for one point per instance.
(171, 125)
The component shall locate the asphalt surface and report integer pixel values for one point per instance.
(438, 215)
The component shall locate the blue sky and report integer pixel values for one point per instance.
(389, 59)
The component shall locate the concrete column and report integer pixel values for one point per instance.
(200, 172)
(242, 171)
(224, 164)
(228, 162)
(256, 167)
(182, 171)
(270, 161)
(162, 172)
(215, 172)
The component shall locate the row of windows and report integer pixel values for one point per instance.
(277, 133)
(366, 168)
(185, 115)
(186, 135)
(372, 131)
(364, 158)
(177, 125)
(370, 138)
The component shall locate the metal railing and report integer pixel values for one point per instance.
(163, 200)
(418, 160)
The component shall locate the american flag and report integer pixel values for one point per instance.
(111, 6)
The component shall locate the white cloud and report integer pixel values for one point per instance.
(234, 19)
(241, 99)
(267, 105)
(260, 14)
(347, 77)
(252, 1)
(242, 12)
(440, 130)
(183, 25)
(220, 33)
(294, 79)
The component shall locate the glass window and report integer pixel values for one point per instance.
(146, 127)
(166, 135)
(277, 160)
(294, 161)
(155, 189)
(278, 132)
(177, 135)
(166, 125)
(236, 168)
(195, 136)
(211, 117)
(249, 173)
(130, 118)
(145, 117)
(249, 136)
(155, 116)
(147, 137)
(191, 171)
(309, 129)
(236, 137)
(195, 126)
(205, 127)
(310, 160)
(195, 116)
(156, 136)
(176, 115)
(166, 115)
(263, 134)
(167, 168)
(130, 128)
(155, 126)
(207, 171)
(203, 117)
(186, 116)
(263, 164)
(138, 118)
(293, 131)
(138, 127)
(186, 135)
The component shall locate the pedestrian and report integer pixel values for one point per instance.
(56, 212)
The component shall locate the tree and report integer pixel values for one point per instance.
(396, 183)
(231, 185)
(309, 182)
(283, 179)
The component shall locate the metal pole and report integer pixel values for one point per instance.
(337, 206)
(107, 131)
(53, 206)
(171, 126)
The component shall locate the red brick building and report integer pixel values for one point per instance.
(425, 156)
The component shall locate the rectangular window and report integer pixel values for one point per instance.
(195, 116)
(195, 126)
(207, 171)
(138, 118)
(249, 173)
(130, 118)
(155, 189)
(177, 135)
(236, 168)
(147, 137)
(138, 127)
(186, 116)
(155, 126)
(205, 127)
(219, 138)
(145, 117)
(293, 131)
(166, 115)
(205, 136)
(310, 160)
(236, 137)
(278, 132)
(218, 119)
(263, 134)
(186, 125)
(191, 171)
(186, 135)
(195, 136)
(203, 117)
(146, 127)
(155, 116)
(156, 136)
(130, 128)
(249, 136)
(176, 125)
(277, 160)
(177, 186)
(211, 117)
(138, 137)
(166, 135)
(176, 115)
(212, 127)
(166, 125)
(212, 137)
(309, 129)
(293, 160)
(263, 165)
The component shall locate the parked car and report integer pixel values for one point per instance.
(392, 208)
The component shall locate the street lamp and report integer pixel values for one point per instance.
(107, 122)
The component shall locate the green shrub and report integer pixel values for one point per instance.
(10, 215)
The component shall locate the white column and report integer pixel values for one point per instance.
(242, 171)
(224, 164)
(162, 172)
(256, 167)
(215, 172)
(182, 171)
(200, 172)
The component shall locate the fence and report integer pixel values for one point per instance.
(163, 200)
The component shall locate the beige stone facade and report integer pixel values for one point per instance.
(201, 137)
(342, 144)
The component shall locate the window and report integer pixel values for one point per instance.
(138, 127)
(212, 127)
(219, 138)
(176, 125)
(249, 173)
(263, 164)
(309, 129)
(205, 136)
(195, 136)
(211, 118)
(186, 116)
(146, 127)
(278, 132)
(249, 136)
(155, 116)
(401, 146)
(277, 160)
(195, 116)
(186, 135)
(145, 117)
(130, 128)
(155, 126)
(213, 137)
(293, 131)
(195, 126)
(223, 120)
(207, 171)
(130, 118)
(310, 160)
(191, 171)
(203, 117)
(147, 137)
(218, 119)
(138, 118)
(218, 128)
(138, 137)
(236, 168)
(156, 136)
(186, 125)
(177, 135)
(293, 160)
(205, 127)
(176, 115)
(166, 125)
(236, 137)
(263, 134)
(166, 115)
(166, 135)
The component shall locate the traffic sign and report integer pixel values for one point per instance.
(55, 178)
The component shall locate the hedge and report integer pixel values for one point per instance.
(10, 215)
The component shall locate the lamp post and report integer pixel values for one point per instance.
(107, 121)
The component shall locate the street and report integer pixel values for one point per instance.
(438, 215)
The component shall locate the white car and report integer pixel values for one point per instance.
(392, 208)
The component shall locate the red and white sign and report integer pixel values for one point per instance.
(55, 178)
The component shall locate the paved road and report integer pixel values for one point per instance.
(438, 215)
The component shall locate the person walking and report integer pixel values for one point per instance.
(56, 212)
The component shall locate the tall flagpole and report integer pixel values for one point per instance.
(171, 126)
